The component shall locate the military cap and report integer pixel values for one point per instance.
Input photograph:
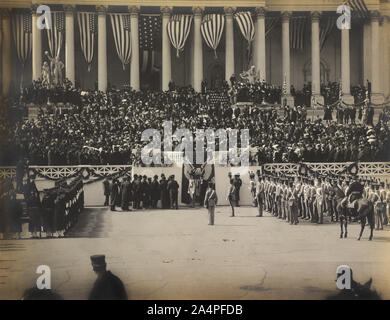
(155, 176)
(98, 261)
(144, 177)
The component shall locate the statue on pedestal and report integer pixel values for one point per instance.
(250, 75)
(56, 66)
(46, 75)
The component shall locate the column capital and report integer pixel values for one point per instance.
(101, 10)
(197, 11)
(134, 10)
(69, 8)
(260, 11)
(286, 15)
(166, 11)
(229, 11)
(315, 15)
(375, 15)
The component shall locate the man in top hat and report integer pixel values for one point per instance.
(125, 193)
(164, 194)
(107, 286)
(136, 191)
(107, 191)
(155, 191)
(173, 189)
(237, 182)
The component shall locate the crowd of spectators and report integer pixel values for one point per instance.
(106, 128)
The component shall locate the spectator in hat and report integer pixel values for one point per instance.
(155, 191)
(106, 191)
(114, 194)
(164, 194)
(237, 182)
(173, 189)
(125, 193)
(15, 212)
(107, 286)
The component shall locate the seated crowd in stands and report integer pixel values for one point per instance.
(106, 128)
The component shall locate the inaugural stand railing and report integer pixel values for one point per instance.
(374, 169)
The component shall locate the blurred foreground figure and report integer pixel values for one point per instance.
(107, 286)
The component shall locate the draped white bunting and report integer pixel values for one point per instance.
(120, 24)
(178, 28)
(212, 28)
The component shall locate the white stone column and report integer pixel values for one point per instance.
(229, 44)
(69, 43)
(134, 62)
(288, 98)
(198, 49)
(6, 52)
(102, 48)
(260, 43)
(345, 67)
(315, 59)
(166, 49)
(376, 88)
(36, 40)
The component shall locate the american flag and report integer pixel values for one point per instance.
(297, 32)
(27, 23)
(150, 32)
(149, 41)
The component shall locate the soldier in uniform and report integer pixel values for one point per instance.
(306, 199)
(293, 203)
(107, 286)
(382, 195)
(320, 201)
(260, 195)
(378, 208)
(60, 223)
(338, 196)
(313, 202)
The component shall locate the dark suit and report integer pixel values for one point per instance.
(108, 287)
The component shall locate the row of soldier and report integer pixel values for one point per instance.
(142, 192)
(311, 199)
(54, 215)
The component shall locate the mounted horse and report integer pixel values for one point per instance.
(354, 205)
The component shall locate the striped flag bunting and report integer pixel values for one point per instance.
(120, 25)
(212, 28)
(358, 7)
(149, 41)
(245, 23)
(55, 33)
(326, 28)
(178, 28)
(87, 28)
(297, 32)
(21, 31)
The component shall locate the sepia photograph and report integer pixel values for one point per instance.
(194, 151)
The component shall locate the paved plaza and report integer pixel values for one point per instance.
(174, 254)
